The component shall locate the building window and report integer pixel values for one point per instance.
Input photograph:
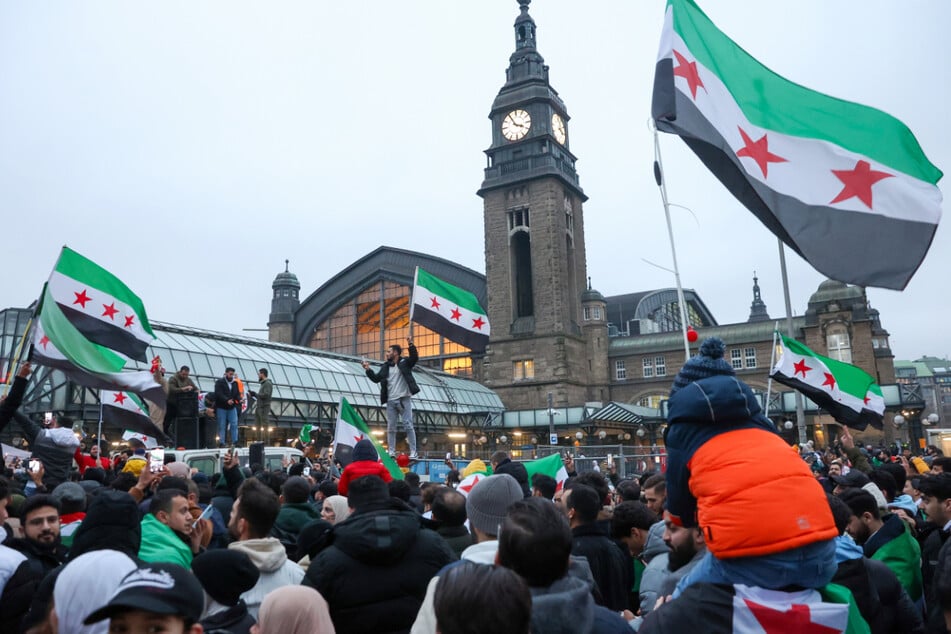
(736, 358)
(660, 366)
(620, 371)
(750, 358)
(648, 368)
(586, 311)
(523, 369)
(518, 218)
(597, 312)
(838, 344)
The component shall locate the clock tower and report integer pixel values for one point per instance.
(534, 242)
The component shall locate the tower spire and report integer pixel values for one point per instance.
(758, 307)
(525, 63)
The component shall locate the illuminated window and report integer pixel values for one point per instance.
(620, 371)
(523, 369)
(460, 366)
(660, 366)
(648, 368)
(750, 358)
(736, 358)
(652, 401)
(838, 344)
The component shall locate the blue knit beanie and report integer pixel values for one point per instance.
(365, 451)
(708, 362)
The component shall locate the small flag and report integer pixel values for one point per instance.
(847, 392)
(846, 186)
(550, 466)
(452, 312)
(150, 442)
(350, 429)
(305, 434)
(127, 411)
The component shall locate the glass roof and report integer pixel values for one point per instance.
(305, 374)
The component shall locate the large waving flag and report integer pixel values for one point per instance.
(140, 382)
(350, 429)
(127, 411)
(847, 392)
(846, 186)
(452, 312)
(551, 466)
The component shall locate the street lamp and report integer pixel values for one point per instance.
(899, 420)
(932, 419)
(787, 425)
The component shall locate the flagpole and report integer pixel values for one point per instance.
(800, 409)
(659, 178)
(15, 359)
(772, 363)
(99, 432)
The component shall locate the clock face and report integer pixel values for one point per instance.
(515, 125)
(558, 128)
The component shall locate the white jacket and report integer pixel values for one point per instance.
(270, 558)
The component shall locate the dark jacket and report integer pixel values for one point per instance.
(374, 575)
(932, 539)
(17, 593)
(405, 365)
(111, 523)
(882, 601)
(566, 607)
(234, 620)
(54, 447)
(224, 392)
(458, 538)
(42, 560)
(516, 470)
(609, 567)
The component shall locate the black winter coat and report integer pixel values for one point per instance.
(374, 575)
(610, 568)
(881, 599)
(405, 365)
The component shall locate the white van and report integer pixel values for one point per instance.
(209, 461)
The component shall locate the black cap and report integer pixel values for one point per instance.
(158, 589)
(853, 478)
(225, 574)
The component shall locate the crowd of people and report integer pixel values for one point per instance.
(742, 533)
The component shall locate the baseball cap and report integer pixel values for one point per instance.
(157, 588)
(853, 478)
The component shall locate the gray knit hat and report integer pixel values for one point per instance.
(708, 362)
(69, 492)
(488, 501)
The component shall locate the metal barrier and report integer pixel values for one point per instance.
(630, 461)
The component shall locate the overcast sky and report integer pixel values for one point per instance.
(190, 147)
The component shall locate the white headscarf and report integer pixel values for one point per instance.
(86, 584)
(340, 506)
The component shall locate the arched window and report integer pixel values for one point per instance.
(838, 344)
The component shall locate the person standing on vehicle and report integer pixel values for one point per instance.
(396, 390)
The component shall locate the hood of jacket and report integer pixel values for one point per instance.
(564, 606)
(846, 549)
(716, 400)
(655, 544)
(62, 437)
(266, 554)
(378, 537)
(111, 523)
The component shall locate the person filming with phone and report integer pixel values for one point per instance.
(53, 443)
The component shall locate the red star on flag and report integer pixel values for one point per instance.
(866, 399)
(82, 298)
(119, 398)
(858, 182)
(830, 380)
(357, 439)
(129, 320)
(45, 340)
(797, 618)
(758, 151)
(456, 314)
(434, 303)
(468, 488)
(478, 323)
(110, 311)
(688, 70)
(801, 366)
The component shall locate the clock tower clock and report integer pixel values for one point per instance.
(534, 242)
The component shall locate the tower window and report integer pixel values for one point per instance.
(648, 368)
(750, 358)
(518, 218)
(620, 370)
(838, 343)
(521, 254)
(586, 312)
(660, 366)
(736, 358)
(523, 369)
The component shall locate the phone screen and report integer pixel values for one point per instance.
(156, 460)
(34, 466)
(306, 471)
